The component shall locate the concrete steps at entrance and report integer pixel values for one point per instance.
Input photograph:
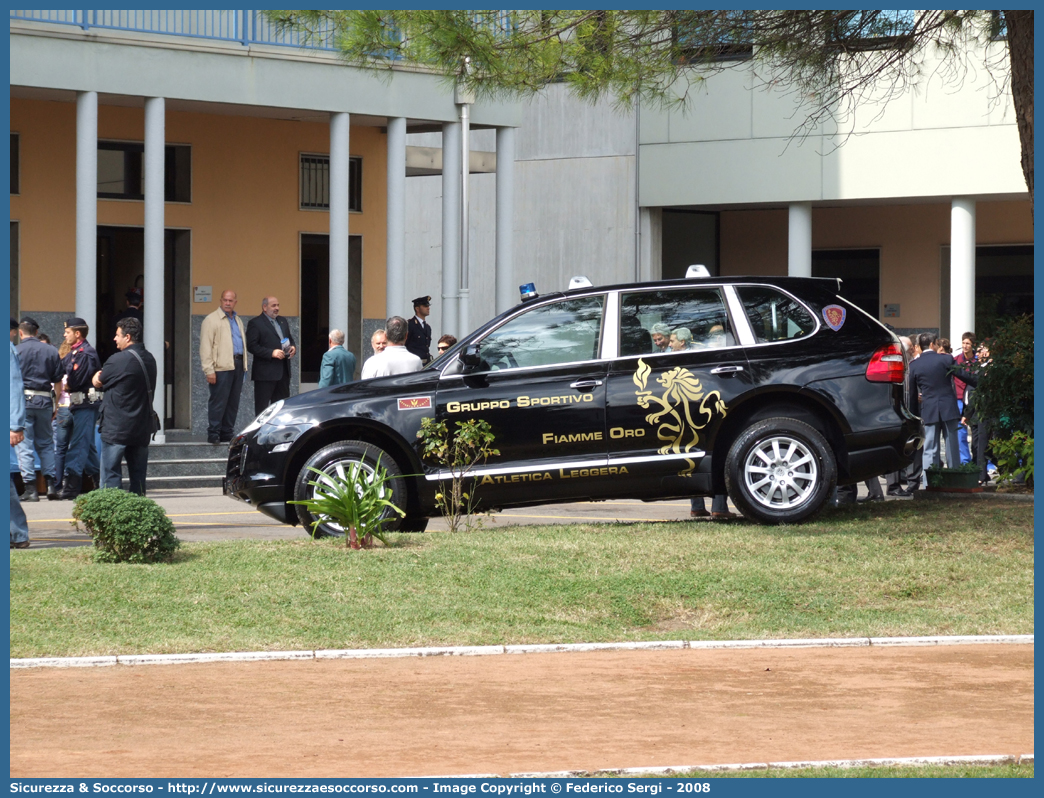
(185, 464)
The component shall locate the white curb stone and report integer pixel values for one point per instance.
(823, 642)
(482, 651)
(235, 656)
(955, 640)
(63, 662)
(983, 759)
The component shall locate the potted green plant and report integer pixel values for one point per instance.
(354, 502)
(962, 479)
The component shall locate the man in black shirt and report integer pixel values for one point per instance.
(128, 379)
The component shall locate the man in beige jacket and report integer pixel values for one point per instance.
(222, 352)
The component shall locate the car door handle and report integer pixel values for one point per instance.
(726, 369)
(586, 385)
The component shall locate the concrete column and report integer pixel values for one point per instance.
(338, 300)
(464, 306)
(962, 268)
(650, 249)
(155, 306)
(87, 208)
(451, 228)
(799, 243)
(506, 290)
(395, 277)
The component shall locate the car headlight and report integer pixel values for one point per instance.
(265, 415)
(268, 412)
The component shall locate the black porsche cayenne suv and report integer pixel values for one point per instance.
(774, 390)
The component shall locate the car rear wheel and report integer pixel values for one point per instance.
(336, 461)
(780, 471)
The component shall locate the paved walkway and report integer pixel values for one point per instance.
(201, 514)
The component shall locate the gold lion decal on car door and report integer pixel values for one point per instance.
(682, 392)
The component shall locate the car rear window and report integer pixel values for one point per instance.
(699, 310)
(775, 316)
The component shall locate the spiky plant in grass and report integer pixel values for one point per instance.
(354, 502)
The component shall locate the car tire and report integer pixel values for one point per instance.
(780, 471)
(335, 459)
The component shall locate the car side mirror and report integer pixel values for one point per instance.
(470, 357)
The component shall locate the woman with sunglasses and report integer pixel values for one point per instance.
(445, 342)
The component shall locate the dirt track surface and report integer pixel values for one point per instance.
(504, 714)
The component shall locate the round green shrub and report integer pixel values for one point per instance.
(125, 527)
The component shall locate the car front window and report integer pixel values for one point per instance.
(695, 317)
(560, 332)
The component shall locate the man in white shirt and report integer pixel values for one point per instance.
(395, 359)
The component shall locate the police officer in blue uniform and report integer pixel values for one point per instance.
(41, 368)
(418, 336)
(79, 366)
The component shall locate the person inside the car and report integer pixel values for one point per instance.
(681, 340)
(715, 336)
(661, 335)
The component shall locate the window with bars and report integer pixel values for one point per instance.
(315, 182)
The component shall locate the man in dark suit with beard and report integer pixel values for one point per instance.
(931, 376)
(270, 342)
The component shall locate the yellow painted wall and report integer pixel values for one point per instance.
(244, 213)
(46, 205)
(910, 238)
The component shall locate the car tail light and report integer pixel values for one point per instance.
(887, 364)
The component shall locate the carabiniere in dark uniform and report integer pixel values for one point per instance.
(418, 331)
(41, 367)
(79, 366)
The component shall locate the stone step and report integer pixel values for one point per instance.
(187, 464)
(187, 451)
(192, 481)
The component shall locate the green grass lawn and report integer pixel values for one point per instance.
(900, 568)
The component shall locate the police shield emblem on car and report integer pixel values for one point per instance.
(769, 389)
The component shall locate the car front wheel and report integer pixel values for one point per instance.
(335, 462)
(780, 471)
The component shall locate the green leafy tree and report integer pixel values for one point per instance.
(1004, 395)
(831, 60)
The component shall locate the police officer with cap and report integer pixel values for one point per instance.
(41, 368)
(418, 339)
(79, 366)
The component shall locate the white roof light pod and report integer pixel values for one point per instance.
(580, 282)
(696, 270)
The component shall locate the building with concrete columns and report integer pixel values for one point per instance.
(192, 152)
(228, 156)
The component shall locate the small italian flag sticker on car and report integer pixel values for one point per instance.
(415, 403)
(834, 316)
